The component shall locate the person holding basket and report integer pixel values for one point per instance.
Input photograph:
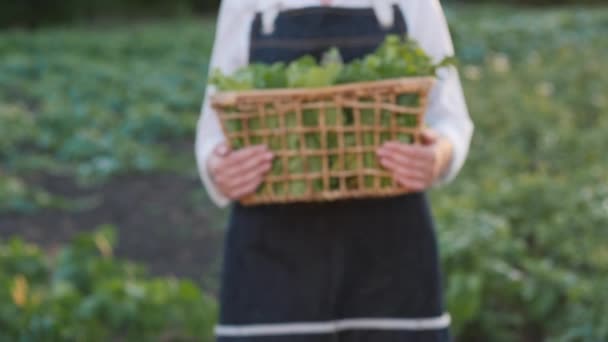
(347, 270)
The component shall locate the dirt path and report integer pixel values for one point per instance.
(162, 220)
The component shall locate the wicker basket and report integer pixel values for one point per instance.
(325, 139)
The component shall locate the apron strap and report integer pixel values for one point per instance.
(385, 12)
(270, 10)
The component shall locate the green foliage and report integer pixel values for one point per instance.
(95, 104)
(16, 194)
(396, 57)
(33, 13)
(84, 294)
(523, 230)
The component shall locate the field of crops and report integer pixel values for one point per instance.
(97, 127)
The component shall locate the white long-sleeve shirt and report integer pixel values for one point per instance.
(447, 112)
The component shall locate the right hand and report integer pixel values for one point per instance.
(239, 173)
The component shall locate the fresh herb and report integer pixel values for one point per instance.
(395, 58)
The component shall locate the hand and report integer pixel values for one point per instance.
(417, 167)
(239, 173)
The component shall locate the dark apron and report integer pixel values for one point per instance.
(351, 270)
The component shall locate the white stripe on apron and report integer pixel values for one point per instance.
(330, 327)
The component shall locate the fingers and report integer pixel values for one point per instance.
(242, 165)
(253, 177)
(412, 166)
(429, 137)
(240, 173)
(222, 149)
(415, 153)
(246, 188)
(246, 154)
(389, 159)
(412, 185)
(411, 178)
(404, 171)
(407, 156)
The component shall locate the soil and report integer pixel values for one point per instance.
(163, 221)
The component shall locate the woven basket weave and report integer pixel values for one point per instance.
(325, 139)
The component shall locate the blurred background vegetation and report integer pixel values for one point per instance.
(35, 13)
(98, 181)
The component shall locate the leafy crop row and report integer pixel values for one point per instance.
(95, 104)
(84, 294)
(523, 230)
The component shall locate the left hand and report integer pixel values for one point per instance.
(417, 167)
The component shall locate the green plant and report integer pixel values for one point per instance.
(394, 58)
(523, 230)
(91, 105)
(83, 293)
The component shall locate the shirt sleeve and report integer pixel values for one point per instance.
(230, 51)
(447, 113)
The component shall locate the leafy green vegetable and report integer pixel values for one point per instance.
(255, 76)
(396, 57)
(305, 73)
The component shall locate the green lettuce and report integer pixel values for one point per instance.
(395, 57)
